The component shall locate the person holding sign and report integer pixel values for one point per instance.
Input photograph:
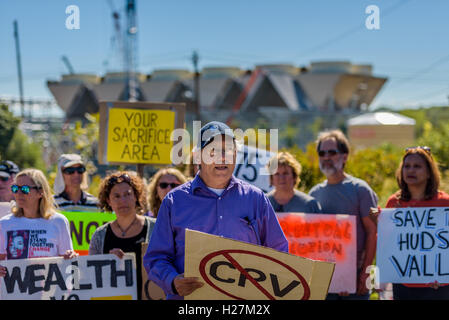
(70, 183)
(214, 202)
(162, 182)
(124, 194)
(34, 229)
(418, 178)
(342, 193)
(285, 197)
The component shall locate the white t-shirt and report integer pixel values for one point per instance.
(218, 192)
(22, 238)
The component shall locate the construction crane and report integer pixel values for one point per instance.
(127, 46)
(118, 38)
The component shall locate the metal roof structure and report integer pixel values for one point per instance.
(323, 86)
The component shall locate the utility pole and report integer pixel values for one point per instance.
(68, 64)
(195, 59)
(131, 50)
(19, 67)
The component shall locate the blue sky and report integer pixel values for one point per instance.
(411, 48)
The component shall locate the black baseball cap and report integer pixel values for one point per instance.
(7, 168)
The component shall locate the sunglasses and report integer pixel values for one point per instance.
(119, 179)
(4, 179)
(164, 185)
(24, 189)
(425, 148)
(72, 170)
(331, 152)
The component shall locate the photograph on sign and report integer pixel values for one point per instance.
(138, 132)
(325, 237)
(237, 270)
(413, 245)
(98, 277)
(83, 225)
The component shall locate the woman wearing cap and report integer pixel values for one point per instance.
(285, 197)
(162, 182)
(70, 185)
(418, 179)
(124, 194)
(34, 229)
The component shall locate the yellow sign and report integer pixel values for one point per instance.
(140, 136)
(238, 270)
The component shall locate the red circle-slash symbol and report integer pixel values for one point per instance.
(226, 254)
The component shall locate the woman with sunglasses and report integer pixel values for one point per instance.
(418, 178)
(162, 182)
(124, 194)
(70, 185)
(34, 229)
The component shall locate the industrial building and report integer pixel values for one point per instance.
(328, 86)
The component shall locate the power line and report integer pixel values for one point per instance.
(423, 71)
(350, 31)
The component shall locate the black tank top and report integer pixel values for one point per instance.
(133, 244)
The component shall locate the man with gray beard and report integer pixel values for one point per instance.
(342, 193)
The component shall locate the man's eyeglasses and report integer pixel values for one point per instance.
(425, 148)
(164, 185)
(331, 152)
(24, 189)
(4, 179)
(72, 170)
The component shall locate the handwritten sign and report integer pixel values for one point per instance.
(238, 270)
(251, 168)
(413, 245)
(96, 277)
(138, 133)
(325, 237)
(83, 226)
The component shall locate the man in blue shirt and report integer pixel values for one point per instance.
(214, 202)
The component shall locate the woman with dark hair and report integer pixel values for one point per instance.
(418, 178)
(124, 194)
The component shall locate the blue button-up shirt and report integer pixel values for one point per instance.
(242, 212)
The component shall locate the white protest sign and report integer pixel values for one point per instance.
(5, 209)
(232, 269)
(96, 277)
(413, 245)
(325, 237)
(250, 167)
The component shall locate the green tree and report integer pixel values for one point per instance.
(8, 125)
(24, 152)
(15, 145)
(84, 140)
